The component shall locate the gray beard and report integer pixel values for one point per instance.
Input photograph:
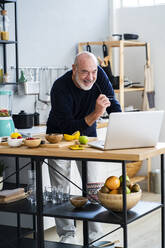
(82, 86)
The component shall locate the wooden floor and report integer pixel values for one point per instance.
(143, 233)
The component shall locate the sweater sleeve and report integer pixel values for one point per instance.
(62, 107)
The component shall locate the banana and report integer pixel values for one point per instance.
(74, 136)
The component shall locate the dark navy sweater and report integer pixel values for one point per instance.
(70, 105)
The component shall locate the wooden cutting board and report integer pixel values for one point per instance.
(63, 143)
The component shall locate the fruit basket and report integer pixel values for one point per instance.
(115, 201)
(132, 168)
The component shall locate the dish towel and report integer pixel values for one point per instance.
(149, 93)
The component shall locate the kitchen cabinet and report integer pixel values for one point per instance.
(90, 212)
(121, 44)
(6, 43)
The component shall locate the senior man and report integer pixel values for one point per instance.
(78, 99)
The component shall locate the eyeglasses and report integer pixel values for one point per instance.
(87, 73)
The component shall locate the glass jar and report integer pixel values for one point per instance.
(4, 24)
(6, 102)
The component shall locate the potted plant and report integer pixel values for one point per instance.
(2, 167)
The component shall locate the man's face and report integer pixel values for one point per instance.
(85, 74)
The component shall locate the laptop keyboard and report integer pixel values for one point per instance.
(99, 142)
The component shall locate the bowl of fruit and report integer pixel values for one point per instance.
(32, 142)
(15, 140)
(111, 197)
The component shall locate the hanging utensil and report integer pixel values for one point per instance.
(149, 93)
(106, 66)
(88, 48)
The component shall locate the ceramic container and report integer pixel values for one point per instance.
(14, 142)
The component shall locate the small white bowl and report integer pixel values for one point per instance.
(15, 142)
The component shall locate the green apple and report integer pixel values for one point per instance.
(128, 191)
(121, 179)
(83, 140)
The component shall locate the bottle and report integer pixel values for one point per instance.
(4, 25)
(22, 78)
(1, 74)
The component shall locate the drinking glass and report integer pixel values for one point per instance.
(31, 177)
(66, 193)
(31, 189)
(59, 195)
(48, 194)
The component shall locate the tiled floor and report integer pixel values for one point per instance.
(145, 232)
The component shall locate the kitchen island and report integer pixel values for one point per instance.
(96, 213)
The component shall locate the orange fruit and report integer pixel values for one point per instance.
(112, 182)
(114, 191)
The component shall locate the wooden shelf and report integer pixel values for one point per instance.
(130, 89)
(126, 43)
(138, 179)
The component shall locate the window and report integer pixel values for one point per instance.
(136, 3)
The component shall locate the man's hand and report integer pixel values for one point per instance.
(102, 103)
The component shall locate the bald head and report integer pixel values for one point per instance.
(80, 57)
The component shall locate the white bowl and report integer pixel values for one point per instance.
(14, 142)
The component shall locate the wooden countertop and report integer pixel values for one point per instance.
(88, 153)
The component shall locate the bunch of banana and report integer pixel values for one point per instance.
(74, 136)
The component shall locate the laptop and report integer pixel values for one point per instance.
(131, 130)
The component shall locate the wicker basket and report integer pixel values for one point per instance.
(132, 168)
(115, 201)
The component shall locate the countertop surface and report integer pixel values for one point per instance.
(137, 154)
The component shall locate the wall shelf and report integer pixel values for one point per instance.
(5, 43)
(8, 1)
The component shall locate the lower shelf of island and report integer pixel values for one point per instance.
(90, 212)
(27, 242)
(10, 234)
